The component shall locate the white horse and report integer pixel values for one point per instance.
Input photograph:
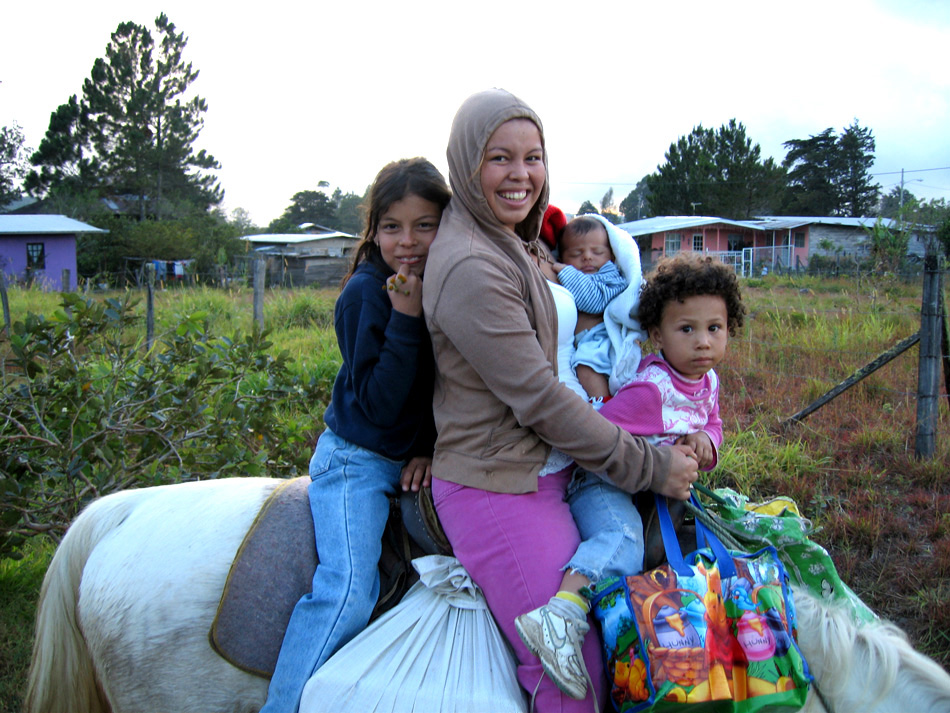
(128, 601)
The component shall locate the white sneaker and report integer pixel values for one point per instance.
(557, 642)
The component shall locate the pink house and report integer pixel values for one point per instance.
(747, 244)
(40, 248)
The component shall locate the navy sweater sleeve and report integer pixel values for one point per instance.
(382, 396)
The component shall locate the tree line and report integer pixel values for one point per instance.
(121, 154)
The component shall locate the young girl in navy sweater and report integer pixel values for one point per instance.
(379, 429)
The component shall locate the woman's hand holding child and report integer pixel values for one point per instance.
(684, 470)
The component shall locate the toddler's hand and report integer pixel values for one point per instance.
(702, 446)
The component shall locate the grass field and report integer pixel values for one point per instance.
(883, 515)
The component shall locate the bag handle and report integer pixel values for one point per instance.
(646, 609)
(704, 538)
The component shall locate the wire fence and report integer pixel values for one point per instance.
(839, 361)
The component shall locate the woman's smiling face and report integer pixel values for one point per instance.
(512, 174)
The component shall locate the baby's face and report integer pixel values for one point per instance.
(588, 252)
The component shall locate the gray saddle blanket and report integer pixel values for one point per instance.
(275, 564)
(273, 568)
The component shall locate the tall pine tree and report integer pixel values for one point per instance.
(132, 133)
(857, 194)
(719, 172)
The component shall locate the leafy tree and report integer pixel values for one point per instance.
(943, 235)
(636, 205)
(305, 207)
(892, 203)
(241, 220)
(607, 202)
(830, 174)
(587, 207)
(13, 163)
(133, 131)
(888, 247)
(721, 169)
(348, 212)
(931, 213)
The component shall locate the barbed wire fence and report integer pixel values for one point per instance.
(933, 336)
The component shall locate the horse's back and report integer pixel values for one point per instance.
(157, 561)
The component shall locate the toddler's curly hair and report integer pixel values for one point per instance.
(689, 274)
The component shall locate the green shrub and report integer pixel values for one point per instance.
(91, 413)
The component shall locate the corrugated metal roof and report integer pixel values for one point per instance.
(295, 238)
(780, 223)
(44, 225)
(861, 222)
(664, 223)
(674, 223)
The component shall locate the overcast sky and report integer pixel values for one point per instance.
(303, 92)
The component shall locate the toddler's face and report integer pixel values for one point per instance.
(588, 252)
(693, 334)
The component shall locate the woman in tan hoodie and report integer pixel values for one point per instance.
(497, 483)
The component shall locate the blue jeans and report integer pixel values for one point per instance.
(349, 499)
(609, 525)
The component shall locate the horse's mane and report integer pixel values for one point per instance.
(866, 666)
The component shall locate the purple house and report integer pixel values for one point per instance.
(38, 248)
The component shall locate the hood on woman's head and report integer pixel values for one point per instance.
(475, 121)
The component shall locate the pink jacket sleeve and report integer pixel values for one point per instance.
(638, 409)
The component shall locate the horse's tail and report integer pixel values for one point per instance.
(62, 676)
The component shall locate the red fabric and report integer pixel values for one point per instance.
(552, 225)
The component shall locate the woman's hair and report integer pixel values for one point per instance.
(396, 180)
(685, 275)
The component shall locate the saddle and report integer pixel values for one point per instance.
(275, 564)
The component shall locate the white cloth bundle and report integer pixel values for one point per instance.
(439, 649)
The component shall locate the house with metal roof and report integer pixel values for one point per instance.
(767, 242)
(735, 242)
(41, 249)
(297, 259)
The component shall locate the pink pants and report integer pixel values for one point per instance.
(514, 547)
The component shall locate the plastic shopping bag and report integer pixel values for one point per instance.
(714, 630)
(439, 649)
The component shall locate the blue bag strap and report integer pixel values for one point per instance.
(674, 555)
(704, 538)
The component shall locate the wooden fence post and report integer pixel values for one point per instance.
(260, 276)
(65, 283)
(6, 303)
(945, 349)
(857, 376)
(928, 369)
(149, 305)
